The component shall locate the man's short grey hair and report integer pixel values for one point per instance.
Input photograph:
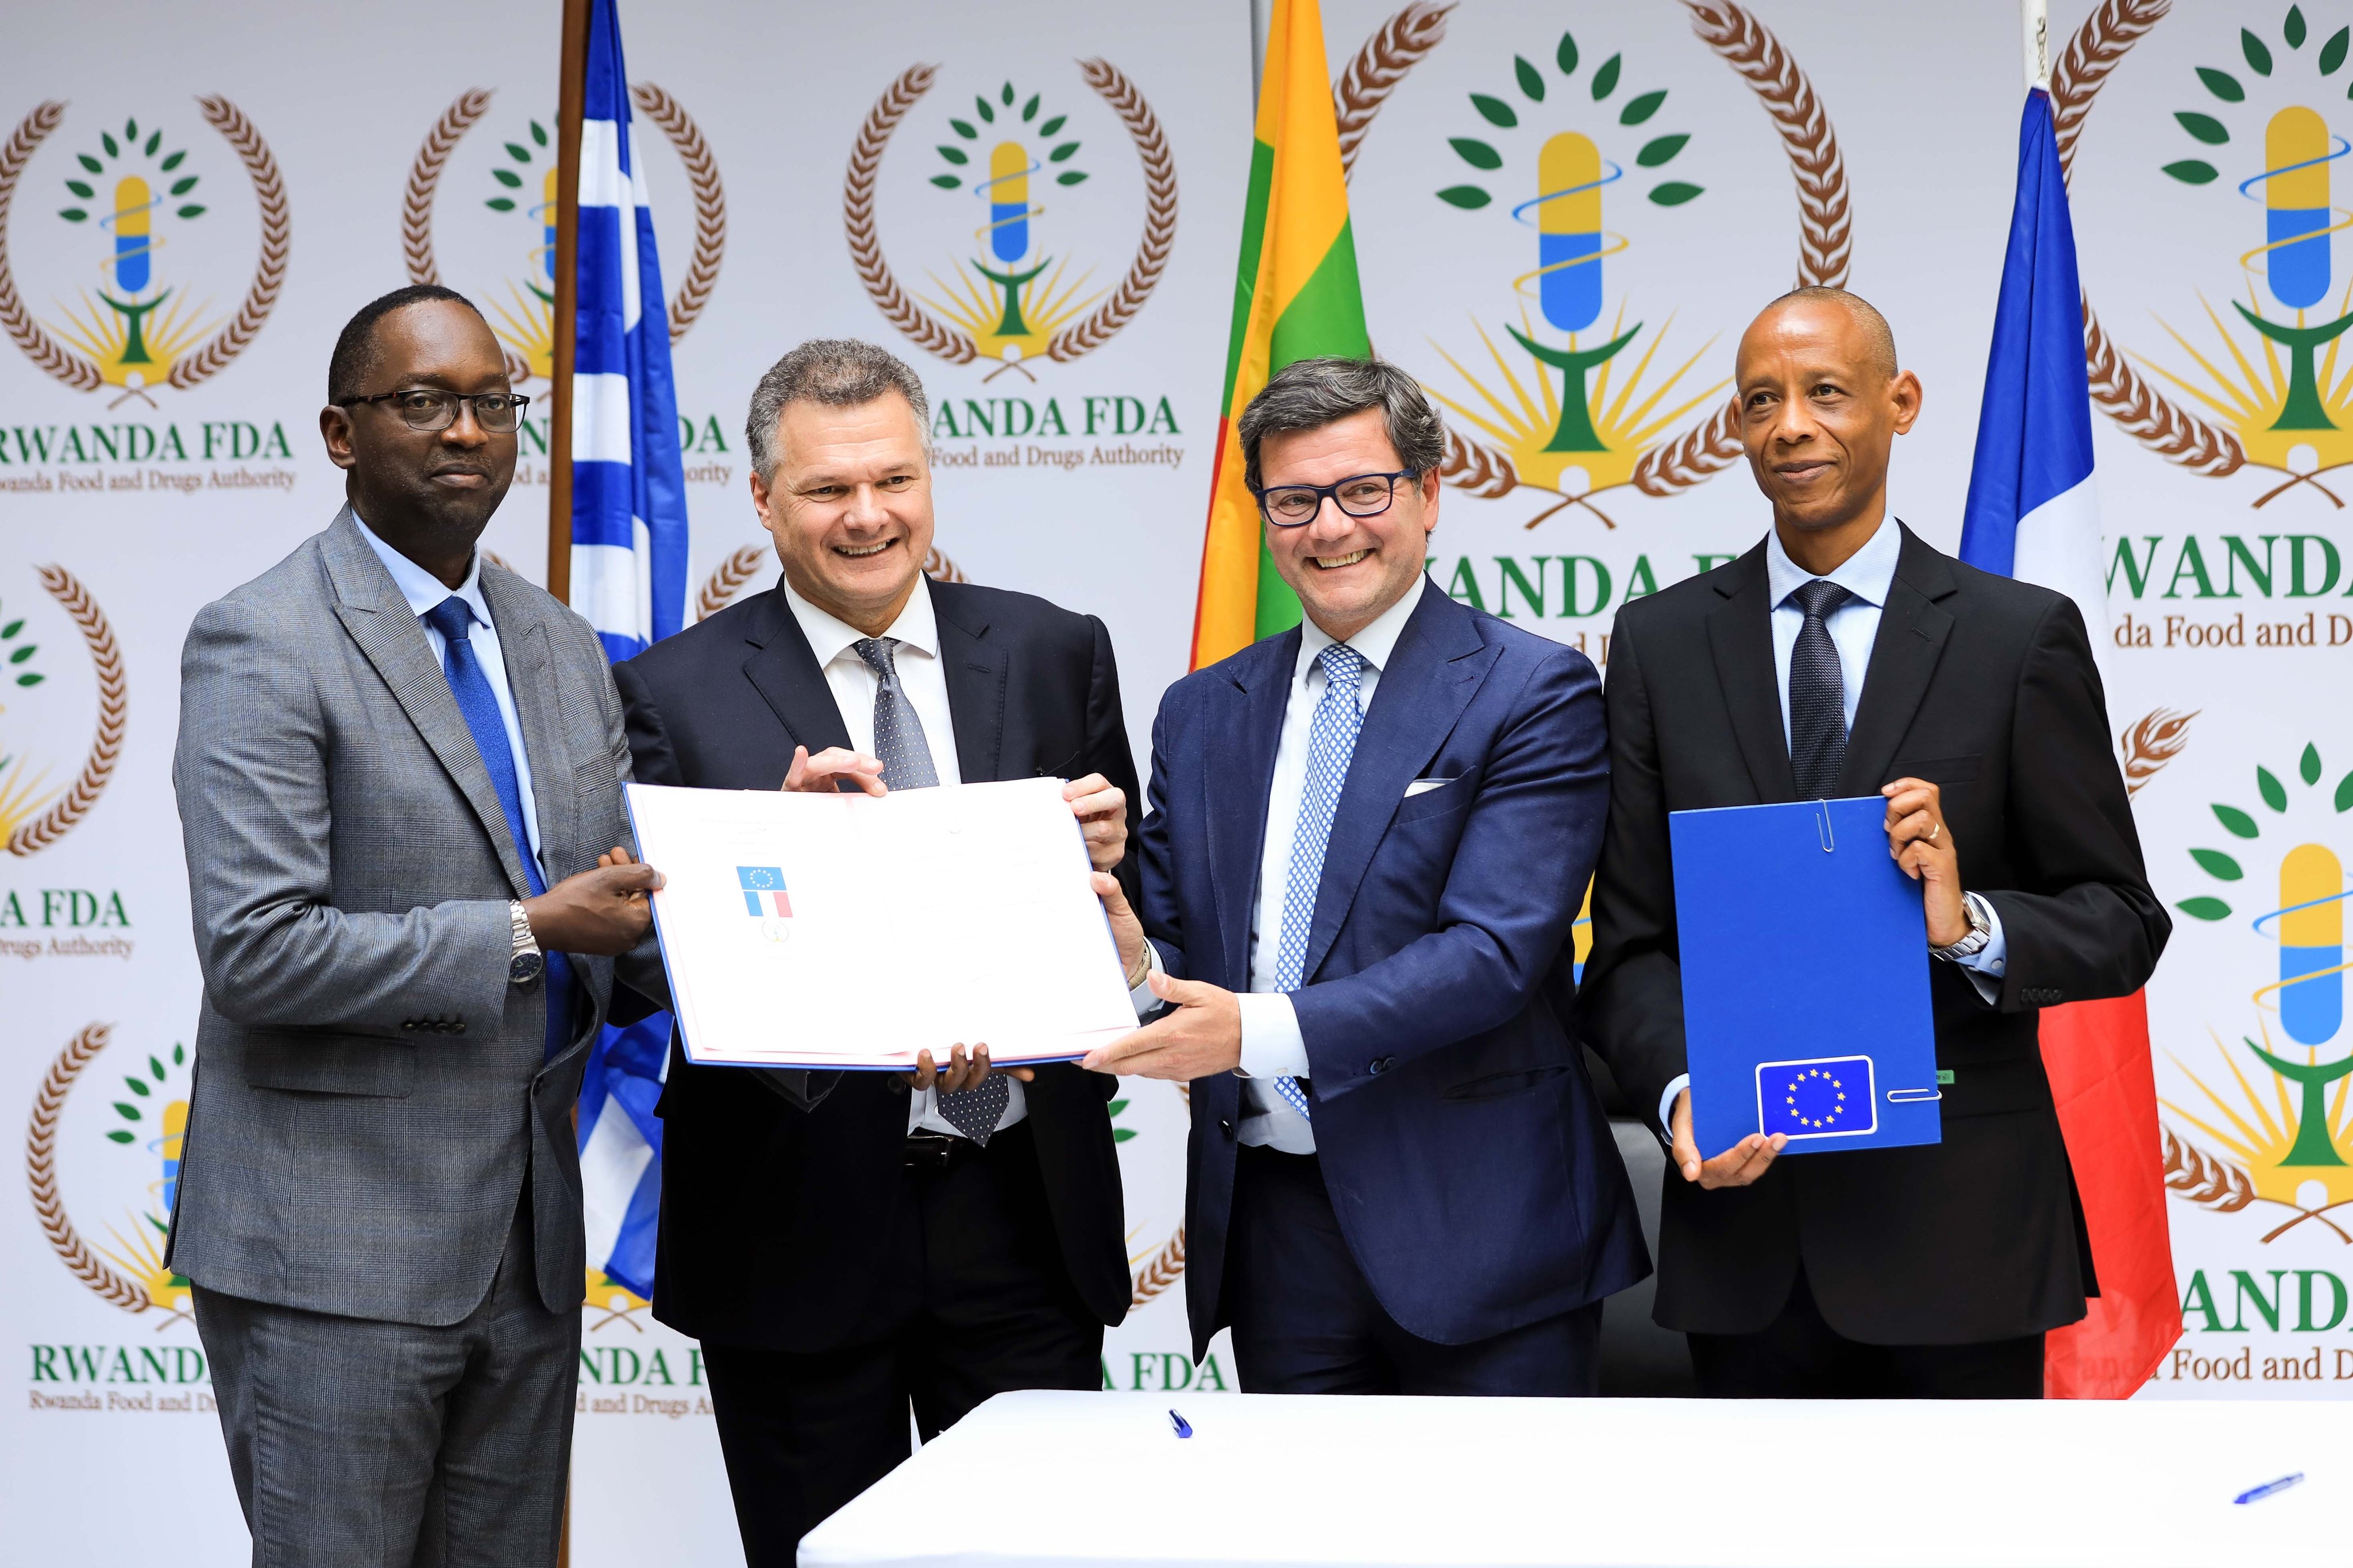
(841, 372)
(1309, 393)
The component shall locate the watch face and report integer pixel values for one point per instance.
(524, 968)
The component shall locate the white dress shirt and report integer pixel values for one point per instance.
(853, 684)
(1867, 575)
(1271, 1043)
(425, 591)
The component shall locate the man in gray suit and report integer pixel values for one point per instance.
(399, 773)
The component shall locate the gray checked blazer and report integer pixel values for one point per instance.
(370, 1097)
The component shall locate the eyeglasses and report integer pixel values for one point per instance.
(430, 408)
(1359, 495)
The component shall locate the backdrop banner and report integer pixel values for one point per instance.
(1038, 204)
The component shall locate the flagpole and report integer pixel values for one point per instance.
(2034, 17)
(570, 92)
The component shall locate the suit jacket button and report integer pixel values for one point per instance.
(458, 1027)
(409, 1024)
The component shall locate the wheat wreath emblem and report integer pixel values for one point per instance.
(2146, 413)
(38, 832)
(260, 295)
(686, 138)
(1080, 337)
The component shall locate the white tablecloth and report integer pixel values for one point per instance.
(1101, 1478)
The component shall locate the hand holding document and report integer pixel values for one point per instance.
(850, 931)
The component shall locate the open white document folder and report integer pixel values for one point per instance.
(842, 931)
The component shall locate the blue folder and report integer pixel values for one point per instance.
(1805, 962)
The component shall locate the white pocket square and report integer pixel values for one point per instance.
(1423, 786)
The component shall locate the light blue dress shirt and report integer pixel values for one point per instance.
(424, 591)
(1867, 575)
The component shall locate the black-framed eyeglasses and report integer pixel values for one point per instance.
(1358, 495)
(433, 408)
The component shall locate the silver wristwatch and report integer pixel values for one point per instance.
(528, 961)
(1980, 915)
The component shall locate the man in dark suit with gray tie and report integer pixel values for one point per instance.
(850, 1246)
(1844, 656)
(399, 777)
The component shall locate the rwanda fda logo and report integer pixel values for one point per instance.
(505, 188)
(125, 248)
(1568, 165)
(1011, 276)
(130, 1148)
(2278, 1105)
(2250, 375)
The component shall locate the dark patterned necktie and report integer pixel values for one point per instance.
(906, 755)
(1817, 695)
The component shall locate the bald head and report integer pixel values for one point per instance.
(1876, 334)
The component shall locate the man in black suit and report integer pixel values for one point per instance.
(847, 1244)
(1843, 656)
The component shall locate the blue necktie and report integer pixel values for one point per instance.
(1331, 741)
(480, 705)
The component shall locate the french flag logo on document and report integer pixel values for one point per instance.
(763, 892)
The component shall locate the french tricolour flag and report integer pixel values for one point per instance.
(2032, 514)
(628, 577)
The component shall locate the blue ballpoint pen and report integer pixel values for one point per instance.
(2253, 1494)
(1184, 1428)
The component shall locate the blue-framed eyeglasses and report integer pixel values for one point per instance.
(1358, 495)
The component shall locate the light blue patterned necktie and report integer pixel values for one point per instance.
(1331, 741)
(906, 755)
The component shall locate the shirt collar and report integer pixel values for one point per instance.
(1868, 574)
(830, 637)
(1376, 643)
(421, 588)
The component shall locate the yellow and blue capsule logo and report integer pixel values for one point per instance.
(1019, 280)
(124, 256)
(1573, 154)
(2275, 874)
(2256, 159)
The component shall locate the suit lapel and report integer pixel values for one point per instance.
(377, 614)
(974, 672)
(1740, 636)
(1913, 628)
(786, 674)
(1244, 731)
(1438, 664)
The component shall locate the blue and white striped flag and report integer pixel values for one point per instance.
(628, 487)
(2032, 513)
(628, 578)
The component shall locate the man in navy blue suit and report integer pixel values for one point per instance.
(1367, 840)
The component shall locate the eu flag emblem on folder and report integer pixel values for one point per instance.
(1813, 1021)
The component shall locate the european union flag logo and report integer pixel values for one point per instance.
(764, 882)
(1827, 1097)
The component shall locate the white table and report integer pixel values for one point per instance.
(1101, 1478)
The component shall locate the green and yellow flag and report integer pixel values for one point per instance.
(1295, 297)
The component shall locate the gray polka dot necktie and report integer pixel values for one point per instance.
(1817, 695)
(906, 756)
